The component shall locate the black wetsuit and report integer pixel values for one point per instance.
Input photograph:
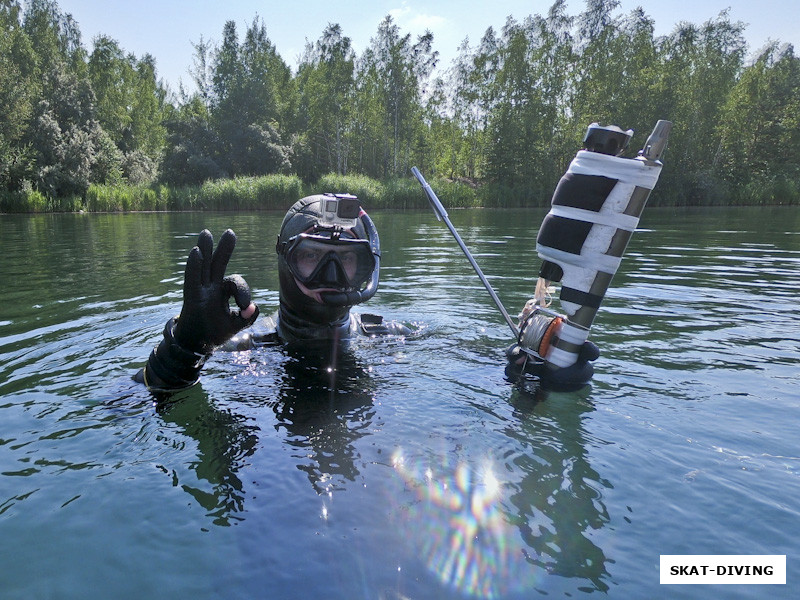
(171, 367)
(270, 331)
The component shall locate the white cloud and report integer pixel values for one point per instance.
(409, 19)
(398, 13)
(431, 22)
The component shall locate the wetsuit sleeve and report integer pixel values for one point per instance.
(170, 366)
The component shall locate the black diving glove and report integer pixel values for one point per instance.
(206, 318)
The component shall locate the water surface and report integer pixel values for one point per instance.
(417, 471)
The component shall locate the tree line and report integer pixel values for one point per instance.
(507, 115)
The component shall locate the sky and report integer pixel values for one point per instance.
(166, 29)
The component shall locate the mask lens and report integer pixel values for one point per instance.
(324, 263)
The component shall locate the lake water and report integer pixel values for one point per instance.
(420, 473)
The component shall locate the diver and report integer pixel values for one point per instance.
(328, 261)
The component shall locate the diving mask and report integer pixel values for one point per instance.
(329, 261)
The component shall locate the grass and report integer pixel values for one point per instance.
(277, 192)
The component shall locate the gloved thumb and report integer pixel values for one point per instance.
(236, 287)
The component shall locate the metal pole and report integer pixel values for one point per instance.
(441, 214)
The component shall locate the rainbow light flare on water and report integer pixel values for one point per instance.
(461, 531)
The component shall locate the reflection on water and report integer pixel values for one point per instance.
(322, 407)
(404, 468)
(560, 497)
(482, 527)
(323, 410)
(225, 440)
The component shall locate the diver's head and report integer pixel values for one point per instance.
(328, 258)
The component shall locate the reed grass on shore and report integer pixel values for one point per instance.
(277, 192)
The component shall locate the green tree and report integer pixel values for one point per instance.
(439, 150)
(759, 128)
(599, 68)
(68, 147)
(252, 89)
(201, 72)
(148, 110)
(19, 89)
(528, 92)
(698, 69)
(461, 119)
(55, 37)
(615, 81)
(391, 78)
(110, 76)
(516, 101)
(193, 149)
(130, 101)
(476, 97)
(326, 85)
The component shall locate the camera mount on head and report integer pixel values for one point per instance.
(340, 210)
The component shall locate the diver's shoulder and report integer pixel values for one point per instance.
(374, 325)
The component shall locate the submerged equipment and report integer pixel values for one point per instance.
(594, 211)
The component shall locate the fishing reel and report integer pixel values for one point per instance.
(539, 329)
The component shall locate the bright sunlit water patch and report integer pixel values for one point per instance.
(461, 530)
